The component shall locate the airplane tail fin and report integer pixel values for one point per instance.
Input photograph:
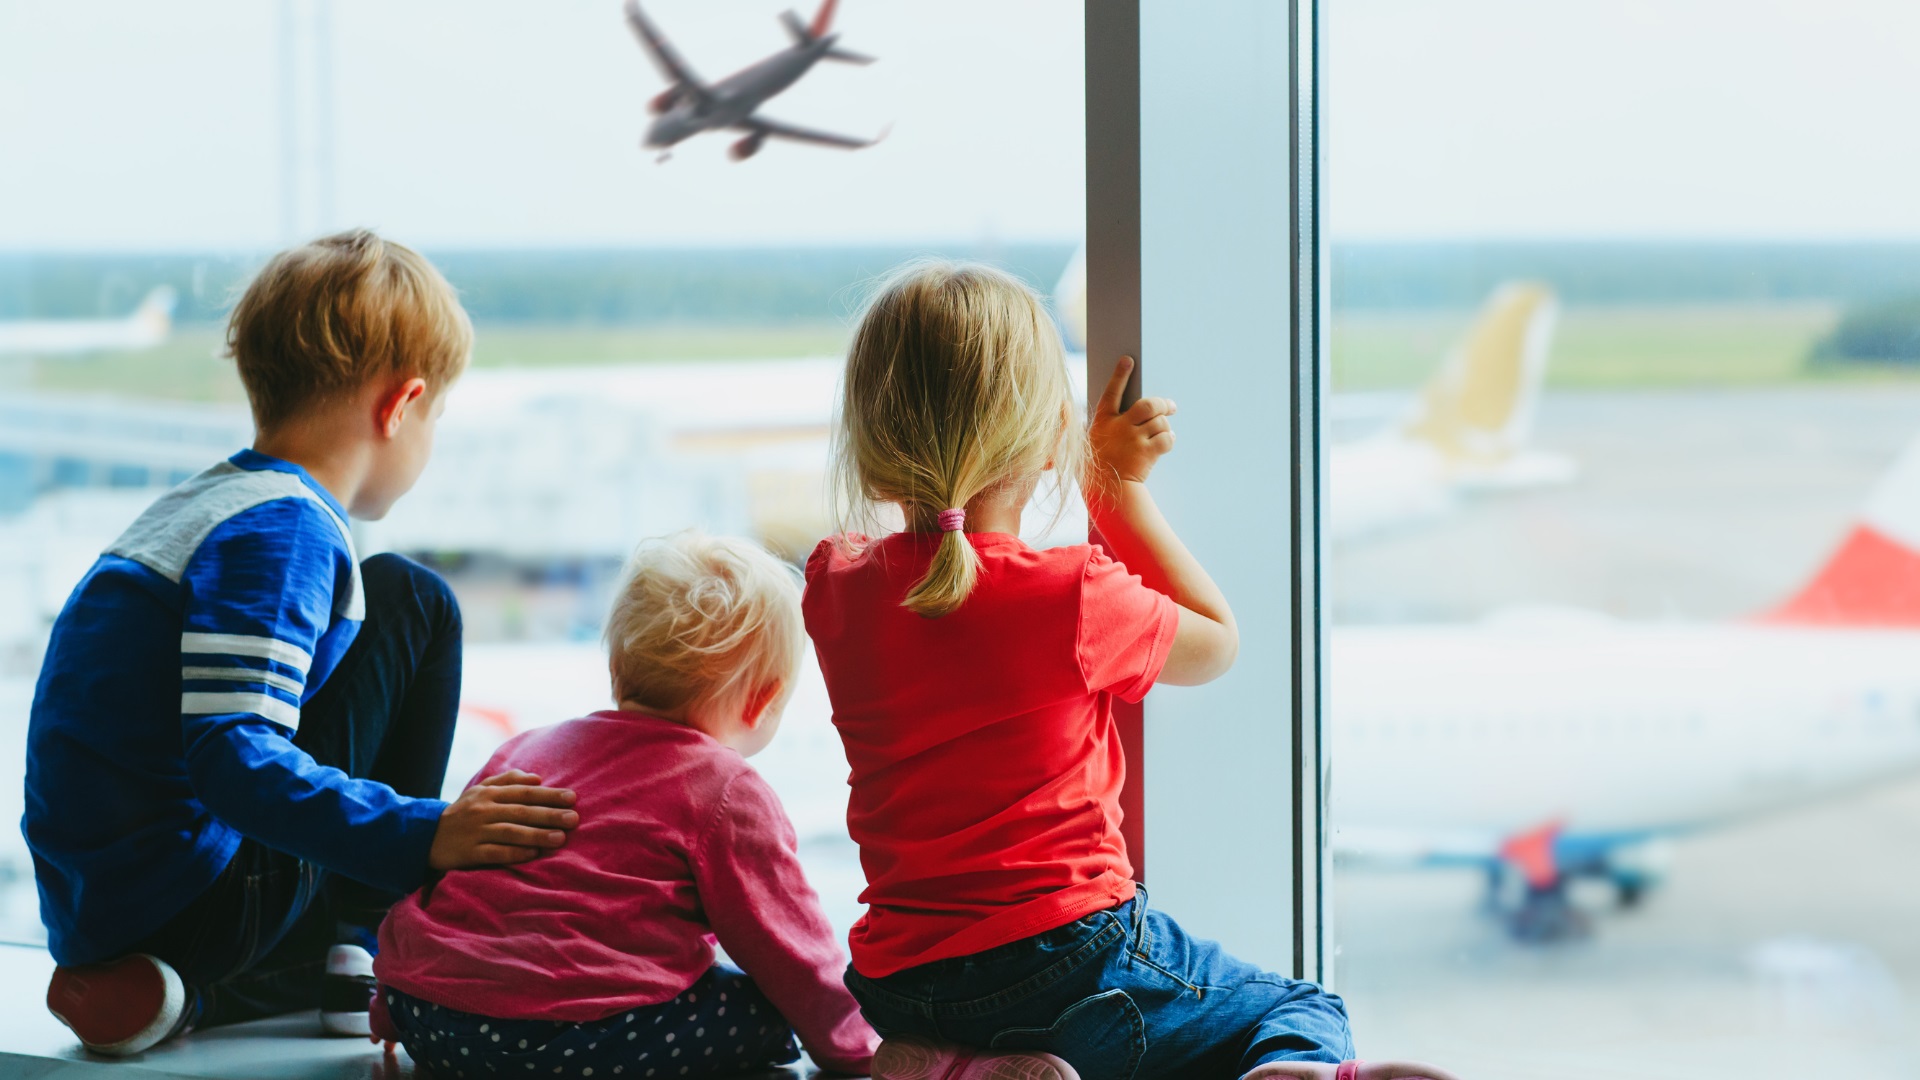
(1070, 300)
(822, 20)
(154, 316)
(1873, 578)
(804, 34)
(1477, 411)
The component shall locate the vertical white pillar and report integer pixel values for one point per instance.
(1203, 254)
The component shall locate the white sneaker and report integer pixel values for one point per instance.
(347, 991)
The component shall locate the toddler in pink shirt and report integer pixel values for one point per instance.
(597, 959)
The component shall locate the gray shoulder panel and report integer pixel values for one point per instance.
(165, 537)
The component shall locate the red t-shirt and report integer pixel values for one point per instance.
(986, 767)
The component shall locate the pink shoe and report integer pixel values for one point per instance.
(1351, 1070)
(923, 1059)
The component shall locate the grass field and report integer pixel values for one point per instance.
(1614, 347)
(1611, 347)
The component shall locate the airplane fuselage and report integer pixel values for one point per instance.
(730, 101)
(1613, 728)
(72, 337)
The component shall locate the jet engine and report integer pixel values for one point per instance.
(747, 147)
(664, 100)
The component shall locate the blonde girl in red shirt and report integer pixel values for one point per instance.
(972, 679)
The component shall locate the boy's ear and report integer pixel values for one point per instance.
(758, 701)
(393, 406)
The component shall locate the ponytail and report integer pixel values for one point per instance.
(950, 577)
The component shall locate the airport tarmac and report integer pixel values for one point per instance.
(1691, 504)
(1783, 947)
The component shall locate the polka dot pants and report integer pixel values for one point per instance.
(721, 1026)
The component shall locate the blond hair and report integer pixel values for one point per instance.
(322, 319)
(956, 387)
(703, 620)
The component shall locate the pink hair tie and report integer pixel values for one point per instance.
(953, 520)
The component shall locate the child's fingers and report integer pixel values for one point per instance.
(513, 777)
(504, 854)
(1116, 390)
(542, 817)
(1149, 407)
(533, 796)
(1162, 442)
(1155, 426)
(501, 832)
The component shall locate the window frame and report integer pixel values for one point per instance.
(1131, 201)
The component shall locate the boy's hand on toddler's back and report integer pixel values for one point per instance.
(1126, 445)
(500, 821)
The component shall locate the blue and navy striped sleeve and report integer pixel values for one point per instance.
(259, 596)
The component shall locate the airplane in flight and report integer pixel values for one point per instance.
(1467, 434)
(690, 105)
(1550, 745)
(147, 326)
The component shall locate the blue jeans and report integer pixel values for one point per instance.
(1123, 994)
(722, 1025)
(255, 943)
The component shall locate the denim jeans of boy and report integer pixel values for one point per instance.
(1123, 994)
(255, 942)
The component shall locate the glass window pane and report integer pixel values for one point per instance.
(1624, 714)
(658, 327)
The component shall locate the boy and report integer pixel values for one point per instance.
(240, 729)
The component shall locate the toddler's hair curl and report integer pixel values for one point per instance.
(703, 620)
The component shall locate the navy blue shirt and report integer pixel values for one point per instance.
(162, 722)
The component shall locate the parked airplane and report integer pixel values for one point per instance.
(147, 326)
(689, 106)
(1548, 746)
(1467, 433)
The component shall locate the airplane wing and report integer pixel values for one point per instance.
(760, 125)
(673, 67)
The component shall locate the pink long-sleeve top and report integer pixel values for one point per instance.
(680, 843)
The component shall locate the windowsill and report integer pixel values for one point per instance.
(33, 1043)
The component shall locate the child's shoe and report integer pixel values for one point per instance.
(923, 1059)
(346, 992)
(120, 1007)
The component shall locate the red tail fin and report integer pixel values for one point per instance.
(1874, 577)
(1531, 853)
(823, 19)
(1873, 580)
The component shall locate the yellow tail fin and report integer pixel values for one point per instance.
(1478, 409)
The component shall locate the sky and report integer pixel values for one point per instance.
(134, 125)
(485, 123)
(1787, 119)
